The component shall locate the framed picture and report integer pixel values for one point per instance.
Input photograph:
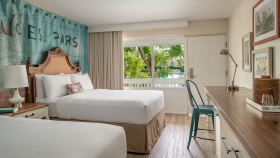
(262, 62)
(265, 21)
(246, 52)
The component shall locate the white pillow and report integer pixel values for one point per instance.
(40, 91)
(83, 79)
(55, 85)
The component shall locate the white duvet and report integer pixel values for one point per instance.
(119, 106)
(34, 138)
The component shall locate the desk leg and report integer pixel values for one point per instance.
(208, 100)
(208, 118)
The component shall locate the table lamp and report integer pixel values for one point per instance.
(232, 86)
(16, 77)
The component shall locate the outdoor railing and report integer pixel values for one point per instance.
(178, 83)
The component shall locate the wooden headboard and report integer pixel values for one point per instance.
(54, 62)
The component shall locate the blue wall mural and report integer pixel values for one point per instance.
(28, 31)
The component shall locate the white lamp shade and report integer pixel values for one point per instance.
(15, 76)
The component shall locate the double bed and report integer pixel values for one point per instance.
(27, 138)
(140, 113)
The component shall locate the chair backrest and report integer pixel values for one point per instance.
(192, 100)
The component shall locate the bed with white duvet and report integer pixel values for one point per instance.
(72, 97)
(30, 138)
(101, 105)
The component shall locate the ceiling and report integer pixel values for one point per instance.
(111, 12)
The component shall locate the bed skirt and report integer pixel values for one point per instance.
(139, 138)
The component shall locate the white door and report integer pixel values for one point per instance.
(209, 67)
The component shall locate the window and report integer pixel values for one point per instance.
(137, 62)
(158, 64)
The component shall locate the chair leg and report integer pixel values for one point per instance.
(191, 128)
(213, 120)
(196, 124)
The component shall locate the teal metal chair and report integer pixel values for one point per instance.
(197, 111)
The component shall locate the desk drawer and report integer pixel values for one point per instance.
(41, 113)
(230, 146)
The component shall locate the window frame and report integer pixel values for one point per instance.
(155, 41)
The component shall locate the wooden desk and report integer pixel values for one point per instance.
(258, 132)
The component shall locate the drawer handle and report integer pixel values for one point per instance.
(235, 152)
(225, 145)
(29, 115)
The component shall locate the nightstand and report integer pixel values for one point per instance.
(31, 110)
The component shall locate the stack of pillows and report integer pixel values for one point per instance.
(53, 86)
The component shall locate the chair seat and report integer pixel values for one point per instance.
(210, 107)
(204, 109)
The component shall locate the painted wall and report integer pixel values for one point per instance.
(240, 23)
(175, 99)
(203, 27)
(28, 31)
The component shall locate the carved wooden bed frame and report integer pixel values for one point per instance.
(54, 62)
(140, 138)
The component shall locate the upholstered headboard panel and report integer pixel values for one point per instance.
(55, 62)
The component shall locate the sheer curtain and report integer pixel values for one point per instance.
(106, 59)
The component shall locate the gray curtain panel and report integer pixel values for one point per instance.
(106, 60)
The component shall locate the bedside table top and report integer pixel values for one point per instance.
(26, 107)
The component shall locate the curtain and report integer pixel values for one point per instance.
(106, 60)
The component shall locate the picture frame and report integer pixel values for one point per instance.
(265, 21)
(262, 62)
(246, 52)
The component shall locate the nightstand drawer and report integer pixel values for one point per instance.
(41, 113)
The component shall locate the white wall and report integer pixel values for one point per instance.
(240, 23)
(176, 100)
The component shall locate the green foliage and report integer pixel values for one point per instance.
(180, 62)
(129, 49)
(147, 50)
(162, 72)
(135, 66)
(132, 65)
(176, 51)
(161, 61)
(161, 58)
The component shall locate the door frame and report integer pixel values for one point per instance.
(187, 74)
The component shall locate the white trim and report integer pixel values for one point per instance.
(153, 64)
(186, 59)
(152, 41)
(154, 37)
(186, 68)
(139, 26)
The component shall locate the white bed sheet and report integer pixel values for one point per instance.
(118, 106)
(30, 138)
(52, 105)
